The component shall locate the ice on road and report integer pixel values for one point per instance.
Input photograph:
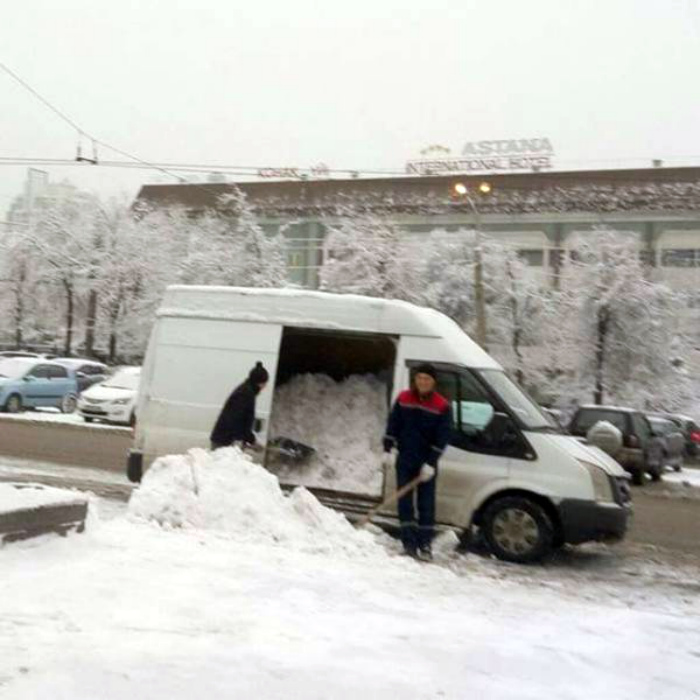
(219, 606)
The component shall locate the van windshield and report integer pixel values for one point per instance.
(516, 399)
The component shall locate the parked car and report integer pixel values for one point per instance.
(672, 440)
(641, 450)
(87, 372)
(113, 400)
(690, 430)
(27, 382)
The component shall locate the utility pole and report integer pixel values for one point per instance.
(479, 293)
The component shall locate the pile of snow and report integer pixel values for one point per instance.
(226, 491)
(343, 421)
(16, 496)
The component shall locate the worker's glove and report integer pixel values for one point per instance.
(387, 460)
(427, 473)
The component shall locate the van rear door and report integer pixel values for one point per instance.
(197, 362)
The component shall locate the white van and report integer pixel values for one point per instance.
(508, 471)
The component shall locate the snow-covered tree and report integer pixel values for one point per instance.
(515, 301)
(368, 253)
(449, 275)
(254, 259)
(65, 235)
(622, 324)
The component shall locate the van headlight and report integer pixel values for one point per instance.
(602, 488)
(121, 402)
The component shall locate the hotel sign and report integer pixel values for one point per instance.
(485, 156)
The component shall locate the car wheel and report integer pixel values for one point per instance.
(132, 419)
(14, 404)
(87, 419)
(518, 529)
(638, 477)
(656, 471)
(69, 403)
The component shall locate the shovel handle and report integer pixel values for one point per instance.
(406, 488)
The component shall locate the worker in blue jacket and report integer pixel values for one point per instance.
(419, 427)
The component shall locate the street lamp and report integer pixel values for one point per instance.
(461, 190)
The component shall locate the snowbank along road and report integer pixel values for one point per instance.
(241, 591)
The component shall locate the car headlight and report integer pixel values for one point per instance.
(121, 402)
(602, 488)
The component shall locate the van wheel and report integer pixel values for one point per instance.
(14, 404)
(518, 529)
(638, 477)
(132, 419)
(69, 403)
(87, 419)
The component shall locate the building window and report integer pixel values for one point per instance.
(680, 257)
(533, 257)
(295, 260)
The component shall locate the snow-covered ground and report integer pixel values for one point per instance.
(198, 603)
(686, 477)
(53, 415)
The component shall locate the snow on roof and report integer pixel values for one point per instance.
(70, 361)
(23, 360)
(324, 310)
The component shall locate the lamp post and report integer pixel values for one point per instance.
(462, 190)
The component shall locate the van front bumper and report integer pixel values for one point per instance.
(586, 521)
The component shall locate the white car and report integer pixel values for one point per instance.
(113, 400)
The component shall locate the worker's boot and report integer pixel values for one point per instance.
(424, 553)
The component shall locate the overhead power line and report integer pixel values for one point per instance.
(80, 131)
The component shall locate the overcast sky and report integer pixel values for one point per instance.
(355, 84)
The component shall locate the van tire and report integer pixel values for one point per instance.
(13, 403)
(518, 529)
(638, 477)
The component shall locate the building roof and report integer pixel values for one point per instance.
(656, 189)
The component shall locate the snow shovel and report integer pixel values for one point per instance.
(290, 450)
(406, 488)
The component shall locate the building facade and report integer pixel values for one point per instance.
(538, 213)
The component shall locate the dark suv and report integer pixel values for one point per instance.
(690, 430)
(641, 451)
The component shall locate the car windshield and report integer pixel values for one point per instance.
(13, 369)
(123, 380)
(516, 399)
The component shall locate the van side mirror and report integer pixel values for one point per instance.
(504, 430)
(28, 378)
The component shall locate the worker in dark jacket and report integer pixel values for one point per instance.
(419, 426)
(235, 422)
